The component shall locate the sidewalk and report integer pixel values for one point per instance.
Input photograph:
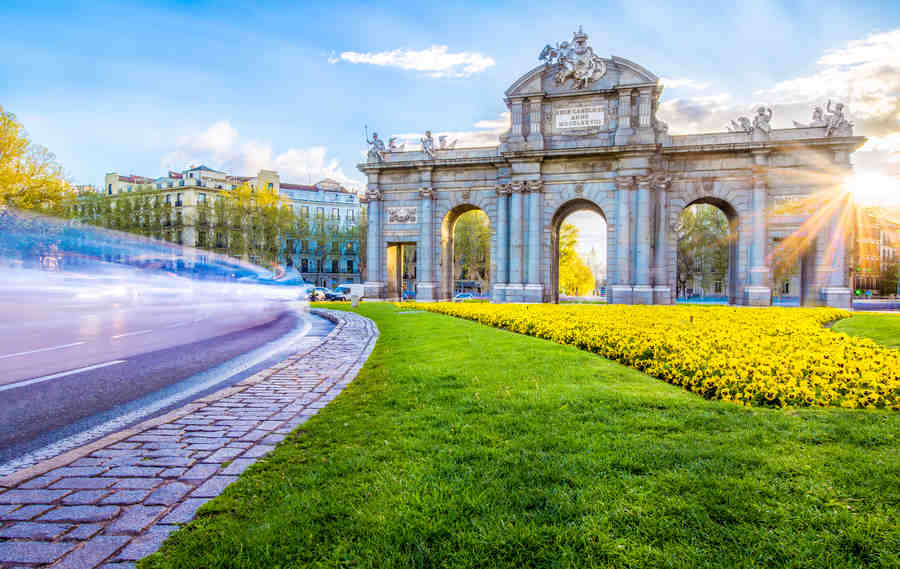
(116, 500)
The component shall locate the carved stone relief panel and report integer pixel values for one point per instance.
(401, 214)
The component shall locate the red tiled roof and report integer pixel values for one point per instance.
(175, 175)
(134, 179)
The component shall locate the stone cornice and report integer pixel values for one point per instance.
(849, 143)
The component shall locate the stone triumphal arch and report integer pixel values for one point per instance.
(584, 135)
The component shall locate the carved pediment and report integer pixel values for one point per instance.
(617, 72)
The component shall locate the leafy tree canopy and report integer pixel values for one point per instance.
(30, 177)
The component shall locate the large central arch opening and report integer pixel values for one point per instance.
(578, 252)
(465, 252)
(706, 261)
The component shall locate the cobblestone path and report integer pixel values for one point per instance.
(114, 501)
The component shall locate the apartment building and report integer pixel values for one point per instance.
(331, 259)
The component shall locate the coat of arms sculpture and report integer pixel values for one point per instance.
(577, 60)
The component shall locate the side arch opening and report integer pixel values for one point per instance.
(591, 229)
(465, 252)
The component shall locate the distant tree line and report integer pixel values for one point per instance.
(246, 223)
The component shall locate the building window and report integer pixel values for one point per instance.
(786, 287)
(304, 211)
(304, 265)
(320, 211)
(335, 213)
(717, 287)
(349, 266)
(180, 238)
(109, 190)
(334, 266)
(318, 265)
(304, 245)
(271, 185)
(168, 198)
(351, 215)
(290, 246)
(201, 198)
(335, 247)
(350, 247)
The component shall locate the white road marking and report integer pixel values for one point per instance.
(126, 334)
(176, 325)
(207, 379)
(56, 375)
(42, 350)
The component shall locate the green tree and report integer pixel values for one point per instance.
(889, 277)
(472, 247)
(575, 277)
(703, 243)
(30, 177)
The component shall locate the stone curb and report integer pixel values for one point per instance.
(71, 456)
(115, 500)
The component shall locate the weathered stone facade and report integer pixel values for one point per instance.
(584, 135)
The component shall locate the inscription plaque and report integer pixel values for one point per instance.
(589, 116)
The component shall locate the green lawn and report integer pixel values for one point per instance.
(461, 445)
(883, 328)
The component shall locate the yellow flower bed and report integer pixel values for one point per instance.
(751, 356)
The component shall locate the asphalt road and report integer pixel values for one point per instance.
(64, 363)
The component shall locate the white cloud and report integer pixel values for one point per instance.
(865, 74)
(435, 61)
(676, 82)
(220, 147)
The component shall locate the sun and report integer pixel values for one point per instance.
(871, 188)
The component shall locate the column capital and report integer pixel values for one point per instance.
(660, 181)
(517, 187)
(374, 195)
(502, 189)
(535, 186)
(427, 192)
(624, 182)
(758, 178)
(644, 182)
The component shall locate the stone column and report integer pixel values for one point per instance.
(757, 292)
(516, 138)
(535, 124)
(515, 288)
(624, 129)
(534, 290)
(426, 286)
(837, 292)
(374, 285)
(620, 291)
(501, 262)
(662, 292)
(644, 107)
(642, 292)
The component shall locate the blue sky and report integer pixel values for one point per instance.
(140, 87)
